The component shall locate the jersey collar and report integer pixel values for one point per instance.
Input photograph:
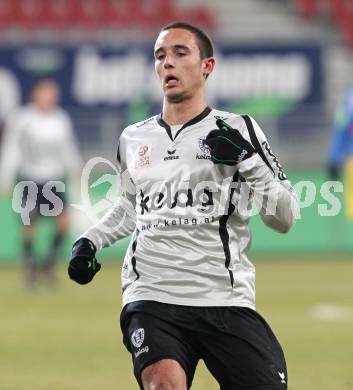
(191, 122)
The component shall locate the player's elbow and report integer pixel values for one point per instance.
(282, 225)
(285, 218)
(287, 222)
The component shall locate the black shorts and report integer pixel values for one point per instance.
(236, 344)
(33, 195)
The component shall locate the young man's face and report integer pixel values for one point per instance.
(178, 64)
(46, 95)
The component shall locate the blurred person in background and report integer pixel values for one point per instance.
(188, 285)
(340, 161)
(39, 147)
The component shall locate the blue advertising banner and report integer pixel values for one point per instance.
(113, 86)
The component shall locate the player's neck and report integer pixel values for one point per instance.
(183, 112)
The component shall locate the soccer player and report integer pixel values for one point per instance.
(39, 147)
(188, 177)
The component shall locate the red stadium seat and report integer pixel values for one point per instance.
(58, 14)
(119, 14)
(89, 14)
(139, 13)
(156, 13)
(342, 14)
(6, 14)
(201, 16)
(93, 15)
(307, 8)
(28, 13)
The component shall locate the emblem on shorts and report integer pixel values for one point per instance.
(138, 337)
(282, 375)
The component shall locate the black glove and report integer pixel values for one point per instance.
(83, 263)
(227, 145)
(334, 172)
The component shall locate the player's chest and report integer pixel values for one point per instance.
(158, 157)
(43, 132)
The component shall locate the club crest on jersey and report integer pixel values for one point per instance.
(143, 156)
(204, 149)
(138, 337)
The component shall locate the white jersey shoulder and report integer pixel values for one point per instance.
(145, 124)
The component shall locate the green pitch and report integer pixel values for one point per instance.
(69, 338)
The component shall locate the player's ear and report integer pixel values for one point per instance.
(208, 65)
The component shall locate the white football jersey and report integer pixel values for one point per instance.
(38, 146)
(189, 217)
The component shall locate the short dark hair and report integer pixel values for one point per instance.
(203, 40)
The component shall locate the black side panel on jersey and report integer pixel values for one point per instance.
(133, 258)
(118, 153)
(223, 232)
(255, 142)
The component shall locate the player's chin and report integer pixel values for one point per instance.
(175, 96)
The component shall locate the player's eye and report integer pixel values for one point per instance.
(159, 56)
(180, 53)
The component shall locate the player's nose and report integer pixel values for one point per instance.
(168, 62)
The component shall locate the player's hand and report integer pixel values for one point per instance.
(227, 145)
(83, 263)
